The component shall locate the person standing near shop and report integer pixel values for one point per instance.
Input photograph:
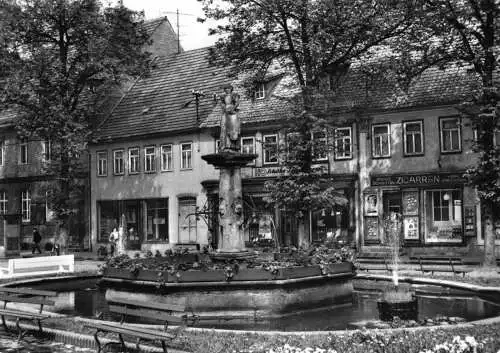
(37, 238)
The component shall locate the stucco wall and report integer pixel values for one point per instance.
(171, 184)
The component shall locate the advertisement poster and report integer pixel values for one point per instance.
(411, 228)
(371, 205)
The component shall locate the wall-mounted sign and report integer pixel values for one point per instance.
(269, 171)
(470, 221)
(417, 179)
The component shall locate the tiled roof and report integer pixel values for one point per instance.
(152, 24)
(155, 104)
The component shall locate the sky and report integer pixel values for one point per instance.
(192, 33)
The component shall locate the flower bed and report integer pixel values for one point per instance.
(193, 267)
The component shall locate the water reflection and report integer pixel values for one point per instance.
(88, 301)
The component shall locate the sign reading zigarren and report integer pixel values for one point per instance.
(417, 179)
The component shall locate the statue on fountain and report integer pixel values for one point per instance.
(231, 125)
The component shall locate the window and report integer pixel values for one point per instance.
(149, 159)
(118, 162)
(157, 222)
(186, 155)
(450, 135)
(3, 202)
(217, 146)
(413, 135)
(248, 145)
(443, 215)
(26, 206)
(270, 149)
(260, 91)
(23, 152)
(102, 163)
(2, 152)
(166, 158)
(343, 143)
(133, 160)
(46, 150)
(496, 138)
(320, 147)
(381, 140)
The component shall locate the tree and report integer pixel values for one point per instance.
(65, 55)
(466, 34)
(315, 41)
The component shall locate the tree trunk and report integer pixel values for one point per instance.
(489, 236)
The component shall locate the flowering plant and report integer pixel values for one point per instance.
(290, 349)
(457, 345)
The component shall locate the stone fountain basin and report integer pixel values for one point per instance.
(250, 294)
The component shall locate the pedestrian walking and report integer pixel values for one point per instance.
(37, 238)
(113, 239)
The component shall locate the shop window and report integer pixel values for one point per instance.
(444, 215)
(343, 143)
(413, 138)
(450, 135)
(23, 152)
(157, 220)
(167, 156)
(149, 159)
(3, 202)
(133, 160)
(2, 152)
(102, 163)
(260, 91)
(26, 205)
(109, 216)
(186, 155)
(330, 224)
(118, 162)
(270, 149)
(320, 147)
(381, 140)
(46, 151)
(187, 220)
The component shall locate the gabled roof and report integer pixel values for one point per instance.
(156, 104)
(152, 24)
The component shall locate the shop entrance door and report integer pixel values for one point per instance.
(187, 221)
(392, 204)
(132, 212)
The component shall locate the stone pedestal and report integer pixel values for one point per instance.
(231, 218)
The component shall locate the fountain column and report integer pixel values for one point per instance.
(229, 161)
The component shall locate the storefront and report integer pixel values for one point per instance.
(435, 209)
(144, 220)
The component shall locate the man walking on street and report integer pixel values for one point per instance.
(37, 238)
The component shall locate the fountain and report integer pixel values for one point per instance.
(229, 160)
(231, 282)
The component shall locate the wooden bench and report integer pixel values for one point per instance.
(169, 314)
(25, 296)
(370, 266)
(449, 267)
(40, 265)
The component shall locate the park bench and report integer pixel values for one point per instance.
(24, 296)
(449, 266)
(382, 263)
(40, 265)
(169, 314)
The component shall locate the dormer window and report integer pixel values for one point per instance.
(260, 91)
